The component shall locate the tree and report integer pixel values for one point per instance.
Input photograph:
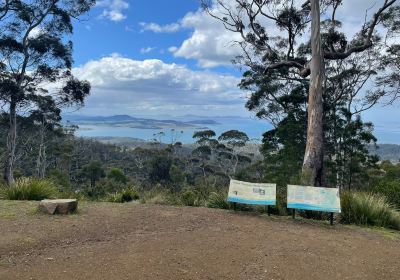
(117, 175)
(160, 167)
(33, 52)
(47, 118)
(230, 150)
(202, 153)
(314, 154)
(93, 171)
(283, 62)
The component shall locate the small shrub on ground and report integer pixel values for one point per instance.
(368, 209)
(217, 200)
(191, 198)
(161, 197)
(30, 189)
(126, 195)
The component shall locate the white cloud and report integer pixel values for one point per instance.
(157, 28)
(147, 50)
(35, 32)
(113, 9)
(123, 85)
(210, 44)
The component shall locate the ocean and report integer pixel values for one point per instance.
(253, 127)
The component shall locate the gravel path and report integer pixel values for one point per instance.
(133, 241)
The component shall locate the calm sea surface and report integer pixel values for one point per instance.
(253, 127)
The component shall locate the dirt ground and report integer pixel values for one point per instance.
(133, 241)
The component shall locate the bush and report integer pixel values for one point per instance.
(30, 189)
(191, 198)
(61, 179)
(117, 175)
(390, 189)
(368, 209)
(217, 200)
(161, 197)
(125, 195)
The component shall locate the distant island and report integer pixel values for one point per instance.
(134, 122)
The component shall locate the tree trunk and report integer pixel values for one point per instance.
(313, 158)
(41, 159)
(11, 144)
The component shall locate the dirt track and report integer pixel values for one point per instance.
(114, 241)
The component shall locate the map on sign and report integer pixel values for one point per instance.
(252, 193)
(313, 198)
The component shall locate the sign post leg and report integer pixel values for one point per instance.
(293, 213)
(234, 206)
(269, 210)
(331, 218)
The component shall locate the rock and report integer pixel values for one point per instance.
(58, 206)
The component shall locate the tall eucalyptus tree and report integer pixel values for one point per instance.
(36, 60)
(280, 52)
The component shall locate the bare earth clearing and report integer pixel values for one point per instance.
(133, 241)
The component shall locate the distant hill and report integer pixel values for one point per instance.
(386, 152)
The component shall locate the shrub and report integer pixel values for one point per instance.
(217, 200)
(117, 175)
(125, 195)
(368, 209)
(30, 189)
(161, 197)
(61, 179)
(390, 189)
(191, 198)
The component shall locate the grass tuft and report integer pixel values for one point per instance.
(191, 198)
(368, 209)
(125, 195)
(30, 189)
(217, 200)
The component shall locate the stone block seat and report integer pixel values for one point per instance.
(58, 206)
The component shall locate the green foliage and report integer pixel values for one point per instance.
(191, 198)
(217, 200)
(283, 147)
(103, 187)
(61, 179)
(159, 196)
(368, 209)
(125, 195)
(391, 190)
(117, 175)
(93, 171)
(204, 134)
(177, 176)
(234, 138)
(392, 171)
(30, 189)
(160, 166)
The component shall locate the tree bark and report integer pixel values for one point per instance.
(11, 144)
(313, 157)
(41, 159)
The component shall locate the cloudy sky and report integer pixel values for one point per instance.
(158, 58)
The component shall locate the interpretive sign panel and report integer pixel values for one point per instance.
(252, 193)
(313, 198)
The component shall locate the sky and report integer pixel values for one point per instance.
(168, 58)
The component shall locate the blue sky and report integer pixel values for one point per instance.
(168, 58)
(98, 36)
